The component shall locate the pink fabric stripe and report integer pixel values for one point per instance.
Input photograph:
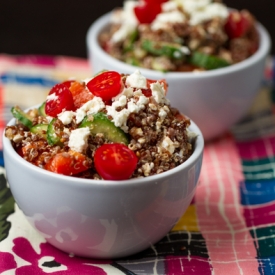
(187, 265)
(2, 122)
(260, 214)
(257, 149)
(221, 222)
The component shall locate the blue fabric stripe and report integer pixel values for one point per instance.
(258, 192)
(27, 80)
(1, 159)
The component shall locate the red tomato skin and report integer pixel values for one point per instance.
(237, 24)
(115, 161)
(147, 11)
(64, 100)
(106, 85)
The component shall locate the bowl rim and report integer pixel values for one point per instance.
(67, 180)
(103, 21)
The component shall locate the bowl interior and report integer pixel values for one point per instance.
(198, 151)
(103, 22)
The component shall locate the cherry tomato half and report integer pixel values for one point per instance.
(106, 85)
(237, 24)
(115, 161)
(62, 100)
(146, 12)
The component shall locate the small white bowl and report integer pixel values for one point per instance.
(102, 219)
(215, 99)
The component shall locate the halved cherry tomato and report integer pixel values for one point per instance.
(237, 24)
(80, 94)
(68, 163)
(115, 161)
(106, 85)
(63, 100)
(147, 11)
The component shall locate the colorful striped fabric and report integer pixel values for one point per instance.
(229, 228)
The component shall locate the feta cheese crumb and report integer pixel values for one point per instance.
(158, 93)
(128, 21)
(119, 117)
(93, 106)
(168, 145)
(51, 97)
(163, 19)
(66, 117)
(209, 12)
(78, 140)
(136, 80)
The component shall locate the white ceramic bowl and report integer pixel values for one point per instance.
(215, 99)
(102, 219)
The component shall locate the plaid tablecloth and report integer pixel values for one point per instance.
(228, 229)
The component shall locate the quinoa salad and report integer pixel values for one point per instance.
(180, 35)
(110, 127)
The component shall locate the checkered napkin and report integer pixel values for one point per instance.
(229, 227)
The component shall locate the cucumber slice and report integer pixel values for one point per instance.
(41, 109)
(99, 123)
(208, 62)
(40, 129)
(21, 116)
(52, 137)
(170, 50)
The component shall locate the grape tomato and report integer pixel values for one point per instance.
(115, 161)
(62, 100)
(106, 85)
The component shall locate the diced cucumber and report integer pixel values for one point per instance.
(129, 43)
(41, 109)
(52, 137)
(208, 62)
(170, 50)
(99, 123)
(21, 116)
(40, 129)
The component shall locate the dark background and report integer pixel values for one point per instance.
(58, 27)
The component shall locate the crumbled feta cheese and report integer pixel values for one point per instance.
(128, 22)
(127, 91)
(122, 33)
(51, 97)
(132, 106)
(136, 80)
(167, 17)
(78, 140)
(192, 6)
(158, 93)
(168, 145)
(169, 6)
(119, 117)
(93, 106)
(142, 101)
(120, 101)
(66, 117)
(209, 12)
